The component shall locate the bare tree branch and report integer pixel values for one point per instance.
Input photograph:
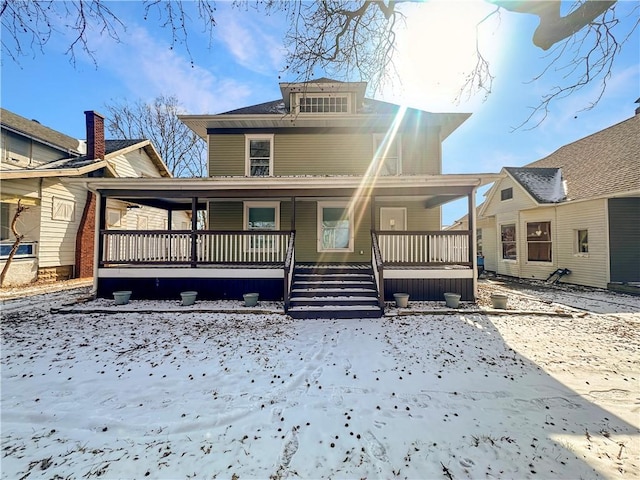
(182, 150)
(18, 238)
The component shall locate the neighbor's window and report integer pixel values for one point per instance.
(142, 222)
(5, 230)
(319, 103)
(114, 218)
(508, 240)
(388, 155)
(335, 227)
(259, 155)
(479, 241)
(582, 241)
(539, 241)
(506, 194)
(63, 209)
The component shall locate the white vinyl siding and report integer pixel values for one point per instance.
(135, 164)
(57, 245)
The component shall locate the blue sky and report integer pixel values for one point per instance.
(242, 64)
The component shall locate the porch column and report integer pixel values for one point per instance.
(473, 239)
(194, 227)
(293, 214)
(101, 208)
(169, 219)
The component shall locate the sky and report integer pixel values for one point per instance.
(243, 62)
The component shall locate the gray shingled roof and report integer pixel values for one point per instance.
(277, 107)
(543, 184)
(605, 163)
(34, 129)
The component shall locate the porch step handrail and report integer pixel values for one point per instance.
(378, 268)
(289, 265)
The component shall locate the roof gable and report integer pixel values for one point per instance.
(545, 185)
(37, 131)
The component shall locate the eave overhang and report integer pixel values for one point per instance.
(55, 172)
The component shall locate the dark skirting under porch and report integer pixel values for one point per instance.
(429, 289)
(270, 289)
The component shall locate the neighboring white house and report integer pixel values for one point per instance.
(577, 209)
(58, 223)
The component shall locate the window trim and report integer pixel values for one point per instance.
(247, 152)
(378, 139)
(508, 189)
(257, 204)
(576, 243)
(550, 241)
(299, 96)
(59, 201)
(335, 204)
(515, 242)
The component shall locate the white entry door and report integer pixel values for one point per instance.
(393, 218)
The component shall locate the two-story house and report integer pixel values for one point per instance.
(58, 220)
(323, 198)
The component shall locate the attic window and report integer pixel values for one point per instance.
(323, 103)
(506, 194)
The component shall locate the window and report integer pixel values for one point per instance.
(479, 241)
(261, 216)
(142, 222)
(5, 221)
(387, 152)
(582, 243)
(114, 218)
(335, 227)
(539, 241)
(62, 209)
(506, 194)
(259, 155)
(320, 103)
(508, 240)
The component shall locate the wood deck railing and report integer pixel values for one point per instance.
(432, 248)
(176, 247)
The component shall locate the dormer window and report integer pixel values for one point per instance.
(323, 103)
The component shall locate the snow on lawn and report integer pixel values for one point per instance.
(232, 395)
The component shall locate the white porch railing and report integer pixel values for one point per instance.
(184, 247)
(425, 248)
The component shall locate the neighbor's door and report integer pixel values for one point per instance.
(394, 248)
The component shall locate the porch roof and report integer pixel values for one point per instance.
(177, 193)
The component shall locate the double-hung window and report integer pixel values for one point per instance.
(582, 242)
(259, 155)
(335, 227)
(261, 216)
(539, 241)
(508, 240)
(387, 154)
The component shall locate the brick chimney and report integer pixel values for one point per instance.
(86, 230)
(95, 134)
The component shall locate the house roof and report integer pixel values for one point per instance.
(545, 185)
(603, 164)
(34, 129)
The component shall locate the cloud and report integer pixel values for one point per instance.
(149, 67)
(249, 44)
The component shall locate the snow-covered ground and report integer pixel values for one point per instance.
(157, 390)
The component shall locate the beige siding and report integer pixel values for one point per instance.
(586, 269)
(323, 154)
(521, 200)
(135, 164)
(58, 237)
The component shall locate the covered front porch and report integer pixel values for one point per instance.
(224, 263)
